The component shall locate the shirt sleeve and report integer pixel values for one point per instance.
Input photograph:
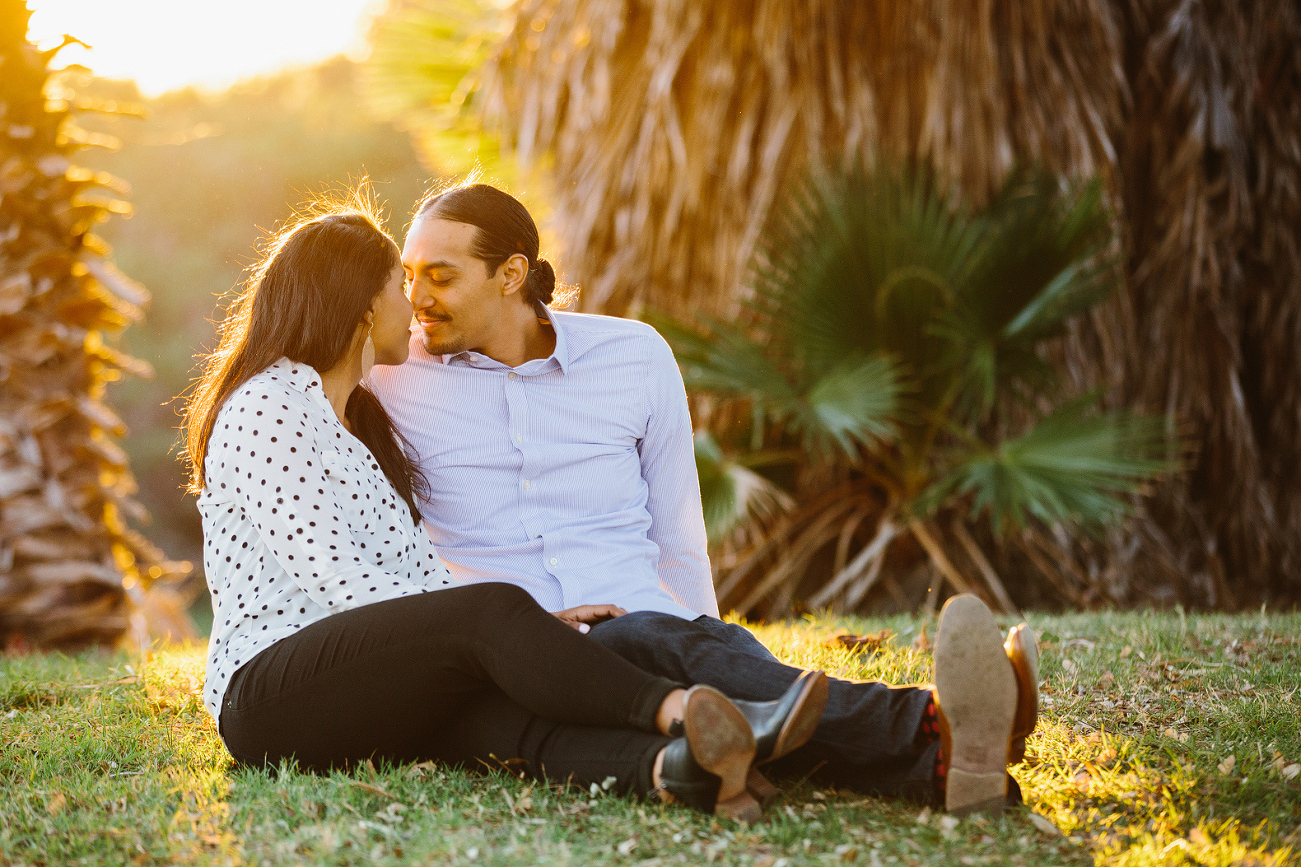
(271, 468)
(668, 465)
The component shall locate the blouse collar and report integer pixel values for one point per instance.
(301, 378)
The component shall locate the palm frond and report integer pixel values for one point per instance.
(1039, 264)
(731, 493)
(858, 263)
(422, 72)
(1073, 466)
(851, 406)
(1189, 112)
(720, 358)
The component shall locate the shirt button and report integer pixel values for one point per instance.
(526, 485)
(519, 438)
(513, 376)
(554, 561)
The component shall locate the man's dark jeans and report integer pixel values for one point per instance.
(867, 740)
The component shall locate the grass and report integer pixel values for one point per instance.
(1163, 739)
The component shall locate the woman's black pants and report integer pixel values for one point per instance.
(479, 676)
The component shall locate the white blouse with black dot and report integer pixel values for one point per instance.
(298, 522)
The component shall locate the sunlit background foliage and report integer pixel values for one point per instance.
(670, 148)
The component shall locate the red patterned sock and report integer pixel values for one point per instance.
(928, 731)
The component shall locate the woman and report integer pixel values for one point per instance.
(338, 634)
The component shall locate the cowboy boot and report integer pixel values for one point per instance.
(1022, 650)
(976, 700)
(707, 768)
(783, 725)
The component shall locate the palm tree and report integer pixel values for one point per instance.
(669, 131)
(72, 572)
(420, 75)
(891, 361)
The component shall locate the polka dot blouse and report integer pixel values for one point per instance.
(298, 522)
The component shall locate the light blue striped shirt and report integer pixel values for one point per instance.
(572, 476)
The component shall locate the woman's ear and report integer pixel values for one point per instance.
(515, 272)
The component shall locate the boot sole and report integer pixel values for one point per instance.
(804, 716)
(723, 744)
(976, 688)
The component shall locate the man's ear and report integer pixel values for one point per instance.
(515, 271)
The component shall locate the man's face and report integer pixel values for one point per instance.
(457, 303)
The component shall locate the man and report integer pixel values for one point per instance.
(559, 456)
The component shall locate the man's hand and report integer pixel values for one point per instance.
(583, 616)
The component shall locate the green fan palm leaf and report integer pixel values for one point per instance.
(1074, 466)
(731, 493)
(852, 405)
(897, 339)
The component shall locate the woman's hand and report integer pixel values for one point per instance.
(583, 616)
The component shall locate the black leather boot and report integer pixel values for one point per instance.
(713, 758)
(787, 723)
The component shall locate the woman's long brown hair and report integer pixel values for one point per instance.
(303, 301)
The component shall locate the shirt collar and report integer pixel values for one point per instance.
(559, 356)
(298, 376)
(561, 352)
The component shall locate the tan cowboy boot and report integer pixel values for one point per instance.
(976, 703)
(1024, 653)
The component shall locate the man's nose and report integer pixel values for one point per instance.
(417, 295)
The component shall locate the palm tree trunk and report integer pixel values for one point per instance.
(69, 563)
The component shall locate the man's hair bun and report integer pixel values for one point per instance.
(542, 281)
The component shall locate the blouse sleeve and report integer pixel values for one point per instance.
(268, 463)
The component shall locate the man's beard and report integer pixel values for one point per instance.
(448, 345)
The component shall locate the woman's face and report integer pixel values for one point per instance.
(391, 328)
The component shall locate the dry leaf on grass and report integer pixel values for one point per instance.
(1226, 766)
(420, 769)
(1045, 825)
(868, 643)
(374, 790)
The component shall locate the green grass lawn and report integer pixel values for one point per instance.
(1162, 740)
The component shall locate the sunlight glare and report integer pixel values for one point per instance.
(166, 44)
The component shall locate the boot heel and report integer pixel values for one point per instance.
(720, 739)
(967, 792)
(741, 808)
(763, 791)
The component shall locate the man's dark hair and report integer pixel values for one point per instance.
(504, 228)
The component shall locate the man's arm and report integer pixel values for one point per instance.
(668, 464)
